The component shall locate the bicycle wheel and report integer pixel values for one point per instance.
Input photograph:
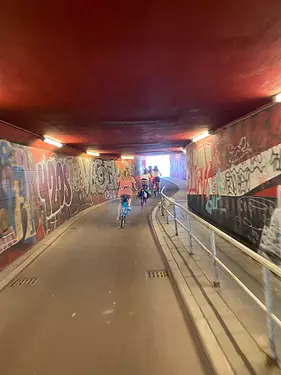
(142, 200)
(122, 222)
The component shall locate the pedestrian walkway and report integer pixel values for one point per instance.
(230, 311)
(91, 309)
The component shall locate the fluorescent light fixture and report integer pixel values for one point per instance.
(277, 98)
(201, 136)
(92, 153)
(52, 142)
(128, 157)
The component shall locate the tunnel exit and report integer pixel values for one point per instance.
(162, 161)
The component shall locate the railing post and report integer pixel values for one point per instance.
(189, 234)
(167, 217)
(268, 296)
(216, 282)
(268, 299)
(175, 219)
(162, 205)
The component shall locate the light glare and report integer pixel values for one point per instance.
(201, 136)
(52, 142)
(277, 98)
(92, 153)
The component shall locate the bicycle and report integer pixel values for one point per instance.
(124, 210)
(156, 188)
(151, 183)
(143, 195)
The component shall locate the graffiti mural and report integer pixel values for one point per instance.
(178, 166)
(233, 178)
(40, 190)
(17, 199)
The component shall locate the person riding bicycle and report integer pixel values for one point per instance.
(156, 175)
(145, 177)
(145, 183)
(150, 177)
(126, 185)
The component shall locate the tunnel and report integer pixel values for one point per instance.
(91, 96)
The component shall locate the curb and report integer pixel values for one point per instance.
(13, 269)
(214, 352)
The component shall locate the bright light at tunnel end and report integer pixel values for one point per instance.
(201, 136)
(127, 157)
(52, 142)
(92, 153)
(277, 98)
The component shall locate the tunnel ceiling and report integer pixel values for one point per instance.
(136, 76)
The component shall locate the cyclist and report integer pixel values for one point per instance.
(150, 178)
(145, 183)
(156, 175)
(145, 177)
(126, 185)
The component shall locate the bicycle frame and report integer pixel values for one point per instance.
(124, 210)
(156, 187)
(142, 198)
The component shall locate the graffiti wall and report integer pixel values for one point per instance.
(233, 178)
(40, 190)
(178, 166)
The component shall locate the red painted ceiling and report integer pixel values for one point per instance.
(135, 76)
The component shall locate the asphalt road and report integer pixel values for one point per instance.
(94, 311)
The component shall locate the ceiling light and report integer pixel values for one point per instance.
(201, 136)
(128, 157)
(52, 142)
(92, 153)
(277, 98)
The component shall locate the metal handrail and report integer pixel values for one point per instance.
(258, 258)
(268, 267)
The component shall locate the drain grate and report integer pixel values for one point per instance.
(21, 282)
(157, 274)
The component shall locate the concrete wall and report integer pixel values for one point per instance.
(178, 166)
(39, 190)
(233, 178)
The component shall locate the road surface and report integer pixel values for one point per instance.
(94, 311)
